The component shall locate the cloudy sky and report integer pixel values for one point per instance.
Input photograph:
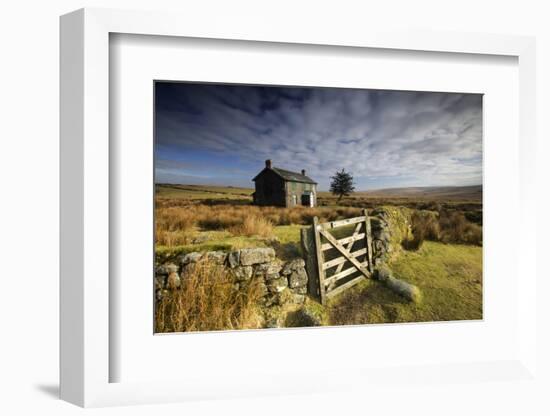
(222, 134)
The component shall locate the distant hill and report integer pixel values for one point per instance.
(473, 192)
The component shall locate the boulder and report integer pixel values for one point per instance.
(382, 273)
(404, 289)
(233, 259)
(298, 278)
(251, 256)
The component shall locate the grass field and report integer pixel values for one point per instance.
(195, 192)
(449, 275)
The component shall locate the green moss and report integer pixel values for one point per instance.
(399, 219)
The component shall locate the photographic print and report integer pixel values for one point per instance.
(280, 207)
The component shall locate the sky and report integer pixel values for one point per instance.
(215, 134)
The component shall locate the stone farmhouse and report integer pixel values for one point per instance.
(283, 188)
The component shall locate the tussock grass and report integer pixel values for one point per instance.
(456, 228)
(424, 226)
(178, 221)
(254, 225)
(173, 226)
(444, 226)
(209, 300)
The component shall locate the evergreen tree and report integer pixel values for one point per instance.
(342, 184)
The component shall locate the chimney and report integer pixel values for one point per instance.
(303, 172)
(268, 163)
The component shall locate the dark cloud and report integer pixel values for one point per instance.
(386, 138)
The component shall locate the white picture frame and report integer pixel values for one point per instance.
(85, 211)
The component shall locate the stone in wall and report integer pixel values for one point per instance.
(234, 258)
(242, 273)
(300, 290)
(160, 281)
(280, 282)
(190, 258)
(217, 257)
(277, 285)
(298, 298)
(251, 256)
(298, 278)
(269, 270)
(293, 265)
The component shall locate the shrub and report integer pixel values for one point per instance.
(208, 300)
(455, 228)
(424, 226)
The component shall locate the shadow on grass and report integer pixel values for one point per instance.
(286, 251)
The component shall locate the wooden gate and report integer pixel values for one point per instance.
(336, 261)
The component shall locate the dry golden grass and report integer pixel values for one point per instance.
(254, 225)
(208, 300)
(424, 226)
(173, 226)
(455, 228)
(177, 220)
(444, 226)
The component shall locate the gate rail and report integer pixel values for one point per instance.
(327, 276)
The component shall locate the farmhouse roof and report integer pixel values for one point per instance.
(288, 175)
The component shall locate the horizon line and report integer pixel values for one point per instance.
(323, 190)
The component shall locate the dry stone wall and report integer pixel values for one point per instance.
(280, 280)
(287, 281)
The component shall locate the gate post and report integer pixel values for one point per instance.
(368, 240)
(308, 249)
(319, 257)
(311, 245)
